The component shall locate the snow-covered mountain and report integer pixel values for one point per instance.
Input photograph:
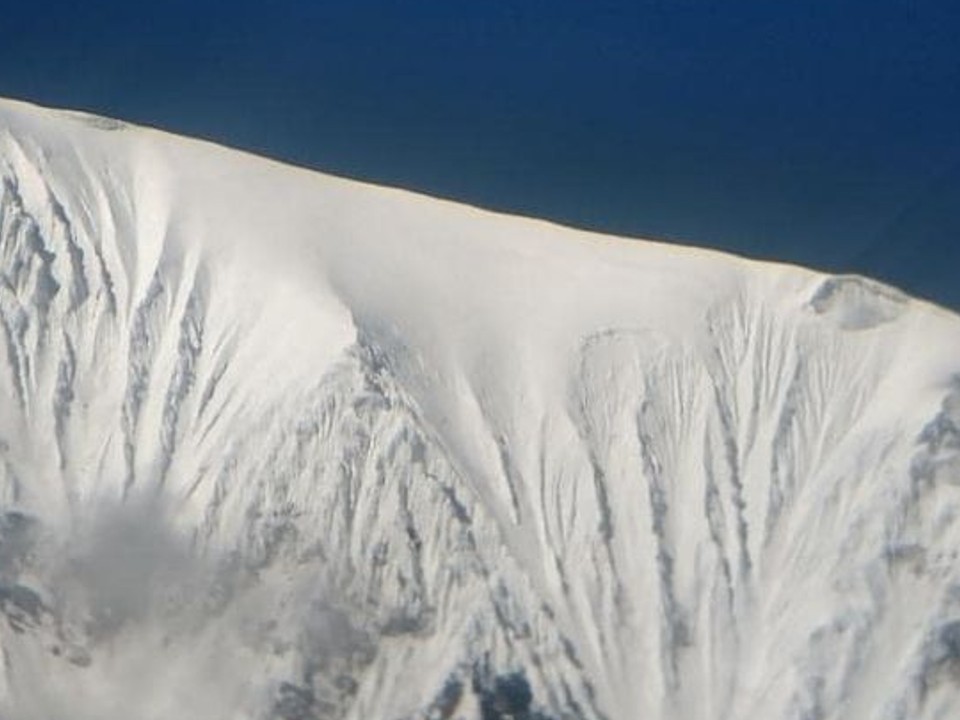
(275, 444)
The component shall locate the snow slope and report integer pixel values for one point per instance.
(279, 445)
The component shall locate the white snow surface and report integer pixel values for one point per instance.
(275, 444)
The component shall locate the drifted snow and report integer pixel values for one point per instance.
(276, 444)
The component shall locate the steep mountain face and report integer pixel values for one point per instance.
(279, 445)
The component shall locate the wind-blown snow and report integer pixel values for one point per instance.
(279, 445)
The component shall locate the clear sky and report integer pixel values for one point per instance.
(825, 132)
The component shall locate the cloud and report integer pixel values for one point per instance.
(170, 631)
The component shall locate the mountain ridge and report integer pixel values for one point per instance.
(394, 457)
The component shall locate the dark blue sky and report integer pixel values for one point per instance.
(825, 132)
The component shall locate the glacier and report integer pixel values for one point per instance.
(276, 444)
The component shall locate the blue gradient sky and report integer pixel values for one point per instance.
(824, 132)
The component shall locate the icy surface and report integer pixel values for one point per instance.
(279, 445)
